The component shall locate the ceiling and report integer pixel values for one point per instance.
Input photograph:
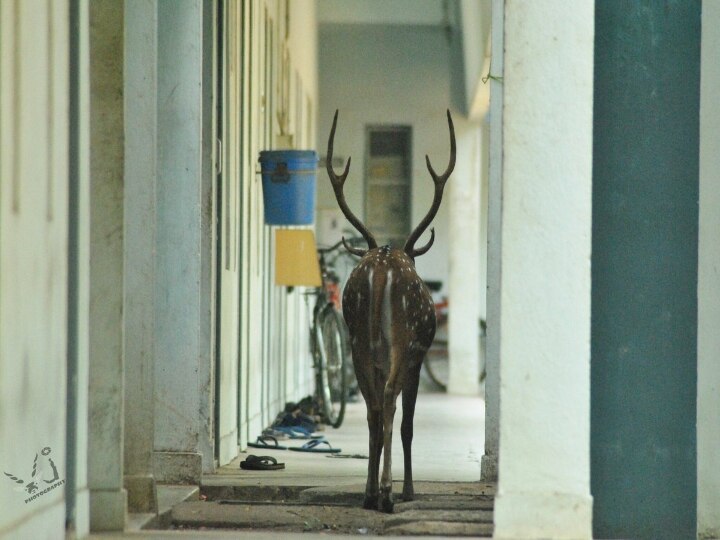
(411, 12)
(469, 18)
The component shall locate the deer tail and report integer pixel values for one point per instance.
(378, 281)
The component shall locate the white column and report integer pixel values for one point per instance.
(82, 215)
(464, 267)
(489, 463)
(140, 220)
(708, 399)
(544, 464)
(105, 440)
(183, 304)
(78, 504)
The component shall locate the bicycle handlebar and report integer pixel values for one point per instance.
(349, 241)
(329, 249)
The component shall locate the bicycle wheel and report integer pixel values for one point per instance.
(331, 349)
(437, 365)
(436, 362)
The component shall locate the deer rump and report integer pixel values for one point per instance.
(391, 321)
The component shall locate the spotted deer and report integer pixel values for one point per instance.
(391, 318)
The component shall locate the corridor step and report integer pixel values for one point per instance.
(440, 508)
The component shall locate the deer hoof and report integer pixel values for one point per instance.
(408, 495)
(386, 502)
(370, 502)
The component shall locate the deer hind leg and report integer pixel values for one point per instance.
(409, 397)
(363, 356)
(392, 389)
(375, 429)
(370, 380)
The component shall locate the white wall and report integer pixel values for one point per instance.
(33, 264)
(708, 427)
(302, 43)
(475, 24)
(464, 280)
(489, 464)
(387, 74)
(271, 361)
(228, 232)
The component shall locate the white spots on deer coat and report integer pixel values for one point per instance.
(413, 311)
(386, 313)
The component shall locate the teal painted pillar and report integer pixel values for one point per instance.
(644, 269)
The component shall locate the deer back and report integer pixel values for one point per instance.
(385, 303)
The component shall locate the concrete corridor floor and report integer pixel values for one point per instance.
(448, 444)
(447, 448)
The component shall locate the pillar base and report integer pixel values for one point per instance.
(543, 515)
(141, 493)
(177, 467)
(489, 468)
(82, 513)
(709, 533)
(108, 509)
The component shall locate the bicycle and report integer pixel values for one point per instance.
(329, 341)
(436, 362)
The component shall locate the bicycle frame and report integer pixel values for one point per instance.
(329, 342)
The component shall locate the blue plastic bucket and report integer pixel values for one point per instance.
(288, 178)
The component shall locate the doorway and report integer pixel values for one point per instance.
(387, 183)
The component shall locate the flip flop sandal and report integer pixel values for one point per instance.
(261, 463)
(312, 446)
(267, 442)
(298, 432)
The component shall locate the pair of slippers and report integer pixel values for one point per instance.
(313, 445)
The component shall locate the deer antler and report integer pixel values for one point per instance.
(337, 184)
(439, 186)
